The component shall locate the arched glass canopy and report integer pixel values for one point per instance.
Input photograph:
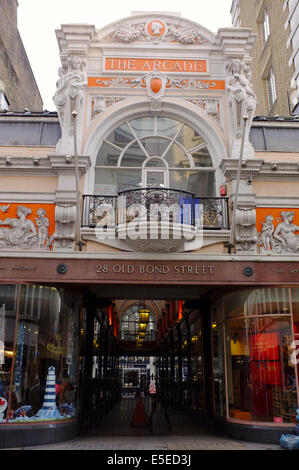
(154, 152)
(129, 326)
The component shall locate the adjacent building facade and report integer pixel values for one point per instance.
(275, 54)
(18, 88)
(151, 245)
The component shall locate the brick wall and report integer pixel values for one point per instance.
(274, 54)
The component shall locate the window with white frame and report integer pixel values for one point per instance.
(154, 152)
(265, 27)
(272, 96)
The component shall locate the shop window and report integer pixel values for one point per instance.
(218, 368)
(38, 354)
(260, 375)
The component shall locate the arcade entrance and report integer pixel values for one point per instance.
(147, 369)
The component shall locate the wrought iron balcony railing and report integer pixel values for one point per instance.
(150, 204)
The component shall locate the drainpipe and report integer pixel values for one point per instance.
(74, 115)
(232, 230)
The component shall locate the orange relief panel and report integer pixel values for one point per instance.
(278, 229)
(25, 225)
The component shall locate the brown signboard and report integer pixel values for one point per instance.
(97, 271)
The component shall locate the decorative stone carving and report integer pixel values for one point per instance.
(65, 227)
(23, 233)
(155, 85)
(184, 35)
(210, 106)
(242, 102)
(127, 33)
(245, 230)
(280, 239)
(194, 84)
(156, 30)
(69, 97)
(101, 103)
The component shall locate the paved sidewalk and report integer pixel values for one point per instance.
(171, 443)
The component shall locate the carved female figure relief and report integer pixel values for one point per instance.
(241, 96)
(281, 239)
(22, 233)
(267, 232)
(42, 223)
(284, 232)
(60, 96)
(69, 96)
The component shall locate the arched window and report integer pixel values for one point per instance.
(130, 322)
(157, 152)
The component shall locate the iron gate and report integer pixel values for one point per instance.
(159, 407)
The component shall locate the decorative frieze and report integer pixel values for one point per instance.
(156, 30)
(139, 83)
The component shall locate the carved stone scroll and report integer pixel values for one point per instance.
(65, 221)
(245, 231)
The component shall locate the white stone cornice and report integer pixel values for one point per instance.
(260, 169)
(66, 163)
(251, 167)
(40, 165)
(236, 40)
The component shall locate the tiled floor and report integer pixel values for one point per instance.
(176, 443)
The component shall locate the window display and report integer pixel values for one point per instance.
(38, 353)
(261, 378)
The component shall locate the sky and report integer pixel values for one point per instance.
(38, 20)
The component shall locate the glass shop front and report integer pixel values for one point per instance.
(39, 345)
(254, 334)
(250, 366)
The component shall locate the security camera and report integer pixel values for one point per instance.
(249, 181)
